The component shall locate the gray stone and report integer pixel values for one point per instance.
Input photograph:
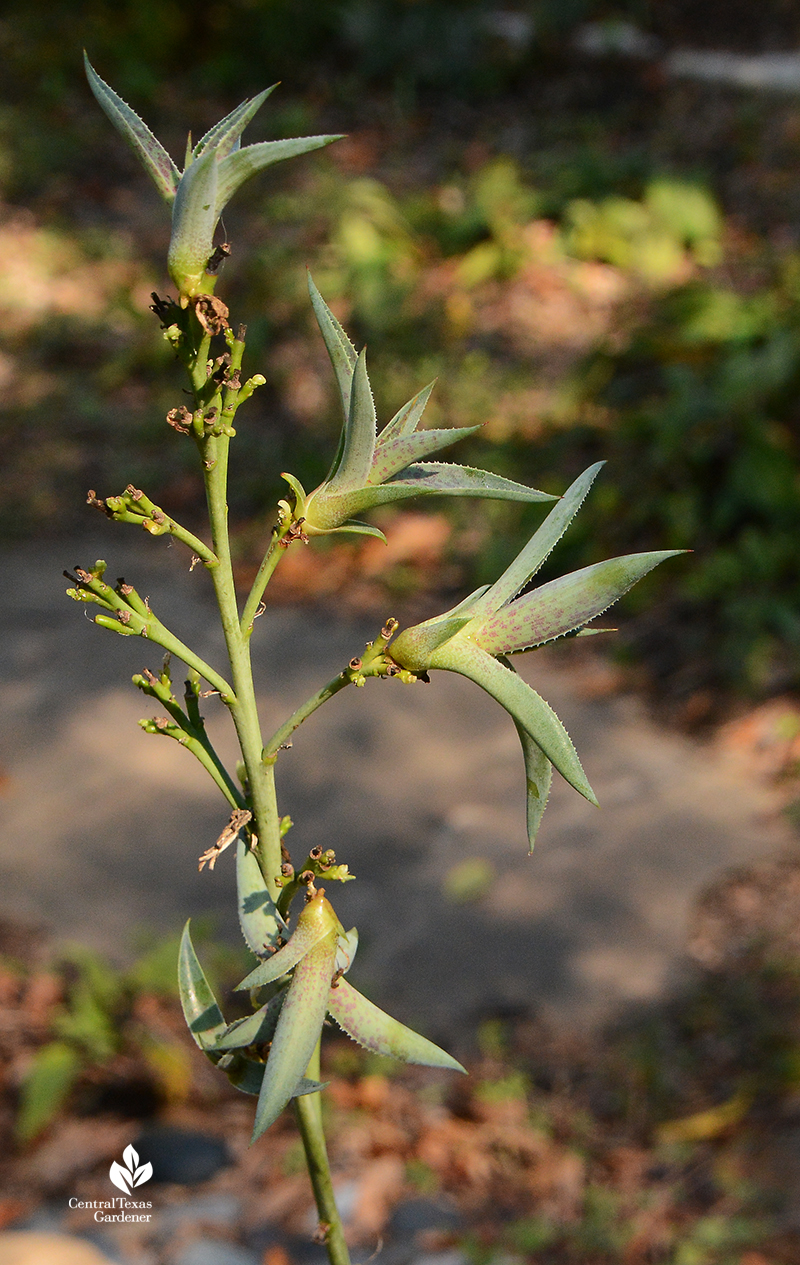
(208, 1209)
(212, 1252)
(451, 1257)
(177, 1155)
(414, 1216)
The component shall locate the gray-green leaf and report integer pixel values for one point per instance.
(243, 163)
(258, 916)
(371, 1027)
(566, 603)
(540, 545)
(522, 703)
(148, 150)
(224, 137)
(200, 1008)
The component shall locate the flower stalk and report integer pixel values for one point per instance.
(299, 976)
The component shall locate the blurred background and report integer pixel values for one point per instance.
(583, 219)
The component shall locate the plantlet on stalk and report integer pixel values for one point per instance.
(299, 975)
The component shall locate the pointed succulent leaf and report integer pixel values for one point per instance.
(565, 604)
(341, 351)
(346, 950)
(540, 545)
(194, 218)
(522, 702)
(354, 528)
(406, 420)
(445, 479)
(200, 1008)
(254, 1029)
(326, 509)
(149, 151)
(244, 163)
(258, 916)
(298, 1030)
(538, 778)
(224, 137)
(394, 456)
(359, 434)
(300, 943)
(377, 1031)
(315, 921)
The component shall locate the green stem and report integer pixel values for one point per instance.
(211, 762)
(168, 641)
(270, 562)
(282, 735)
(308, 1112)
(244, 712)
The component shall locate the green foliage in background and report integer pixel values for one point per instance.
(100, 1019)
(703, 399)
(696, 373)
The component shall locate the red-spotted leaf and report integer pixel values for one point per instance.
(565, 604)
(298, 1030)
(377, 1031)
(394, 456)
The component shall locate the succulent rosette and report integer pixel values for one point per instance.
(372, 469)
(298, 985)
(474, 637)
(214, 169)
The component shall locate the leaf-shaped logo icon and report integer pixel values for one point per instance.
(133, 1175)
(120, 1177)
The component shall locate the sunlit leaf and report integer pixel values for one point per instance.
(224, 137)
(522, 702)
(243, 163)
(298, 1030)
(377, 1031)
(566, 603)
(540, 545)
(148, 150)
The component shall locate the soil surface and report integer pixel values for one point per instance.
(102, 824)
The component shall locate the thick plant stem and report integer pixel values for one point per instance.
(308, 1112)
(243, 709)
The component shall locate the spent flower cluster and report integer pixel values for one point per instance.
(299, 976)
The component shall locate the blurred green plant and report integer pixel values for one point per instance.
(703, 399)
(99, 1019)
(655, 236)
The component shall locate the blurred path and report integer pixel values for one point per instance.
(101, 825)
